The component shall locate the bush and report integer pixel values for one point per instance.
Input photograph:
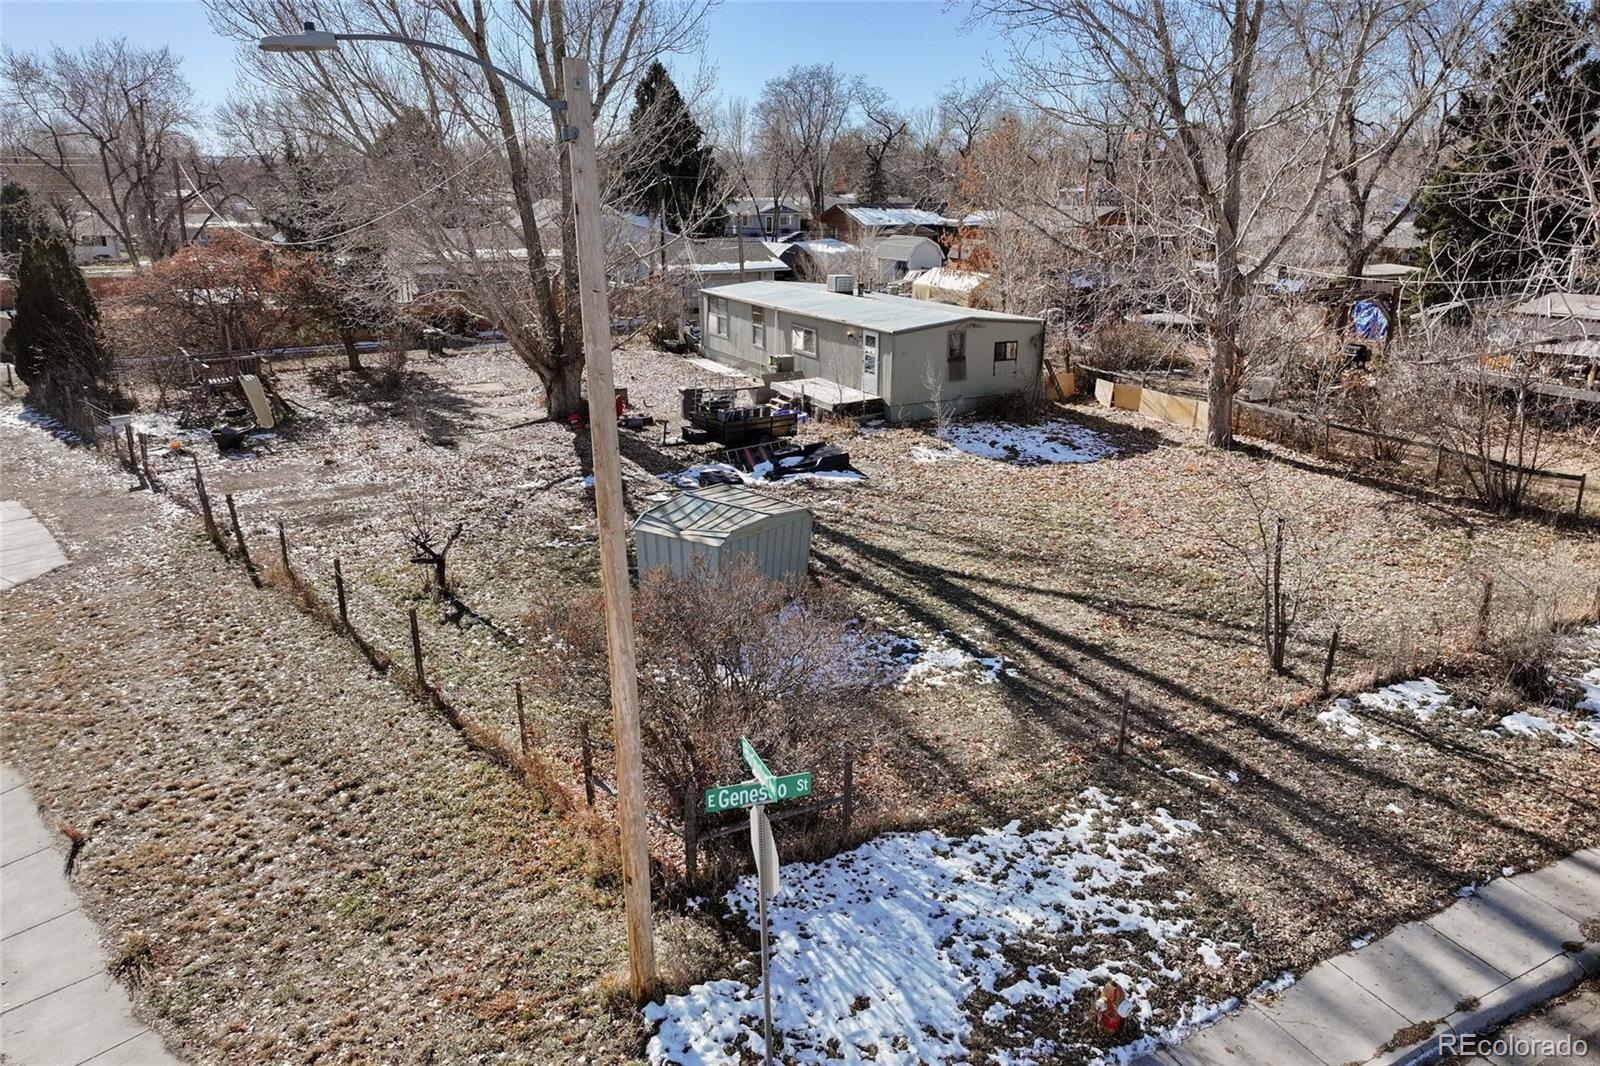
(722, 654)
(1128, 346)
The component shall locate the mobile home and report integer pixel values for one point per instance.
(833, 348)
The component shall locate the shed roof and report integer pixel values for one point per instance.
(903, 247)
(875, 310)
(715, 513)
(1562, 305)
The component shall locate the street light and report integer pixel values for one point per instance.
(577, 131)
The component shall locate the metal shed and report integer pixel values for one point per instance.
(718, 525)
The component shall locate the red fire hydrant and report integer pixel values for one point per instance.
(1111, 1006)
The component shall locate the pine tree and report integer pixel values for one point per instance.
(54, 338)
(672, 174)
(17, 221)
(1509, 202)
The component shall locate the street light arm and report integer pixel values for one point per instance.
(559, 106)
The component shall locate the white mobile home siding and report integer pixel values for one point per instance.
(908, 356)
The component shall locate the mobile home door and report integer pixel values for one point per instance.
(869, 362)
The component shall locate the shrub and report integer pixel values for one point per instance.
(722, 654)
(1130, 347)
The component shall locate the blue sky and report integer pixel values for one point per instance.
(910, 47)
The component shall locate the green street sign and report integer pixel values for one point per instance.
(757, 767)
(753, 793)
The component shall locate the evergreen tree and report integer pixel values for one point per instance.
(54, 338)
(1513, 198)
(671, 173)
(17, 221)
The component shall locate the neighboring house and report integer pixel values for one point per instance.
(94, 243)
(860, 223)
(699, 264)
(845, 352)
(762, 217)
(1561, 325)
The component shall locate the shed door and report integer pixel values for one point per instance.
(869, 362)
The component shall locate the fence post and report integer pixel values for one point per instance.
(849, 803)
(1438, 463)
(283, 548)
(588, 763)
(127, 430)
(205, 509)
(238, 534)
(1122, 726)
(144, 459)
(1577, 508)
(1327, 664)
(338, 588)
(691, 837)
(522, 721)
(416, 650)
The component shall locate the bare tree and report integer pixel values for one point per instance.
(1240, 99)
(967, 112)
(113, 123)
(802, 115)
(430, 541)
(882, 128)
(472, 173)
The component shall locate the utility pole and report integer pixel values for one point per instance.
(177, 188)
(613, 535)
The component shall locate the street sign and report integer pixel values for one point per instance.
(757, 767)
(752, 793)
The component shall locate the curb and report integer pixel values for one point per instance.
(1544, 982)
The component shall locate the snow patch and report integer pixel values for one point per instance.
(1524, 724)
(877, 953)
(1055, 441)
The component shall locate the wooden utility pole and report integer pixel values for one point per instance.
(613, 532)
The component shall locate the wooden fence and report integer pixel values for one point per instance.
(1442, 463)
(1312, 433)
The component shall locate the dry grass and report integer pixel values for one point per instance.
(257, 736)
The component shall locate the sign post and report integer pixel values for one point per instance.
(766, 853)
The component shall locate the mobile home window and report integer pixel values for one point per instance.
(803, 341)
(1005, 351)
(758, 327)
(957, 356)
(717, 313)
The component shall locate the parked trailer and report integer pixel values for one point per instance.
(718, 414)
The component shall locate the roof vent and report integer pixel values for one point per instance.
(845, 283)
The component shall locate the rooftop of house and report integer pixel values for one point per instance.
(873, 310)
(884, 217)
(719, 255)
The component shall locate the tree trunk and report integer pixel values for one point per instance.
(351, 355)
(1225, 325)
(564, 390)
(1219, 391)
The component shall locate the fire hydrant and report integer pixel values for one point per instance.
(1112, 1006)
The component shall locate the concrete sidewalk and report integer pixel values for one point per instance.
(58, 1005)
(1467, 969)
(26, 548)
